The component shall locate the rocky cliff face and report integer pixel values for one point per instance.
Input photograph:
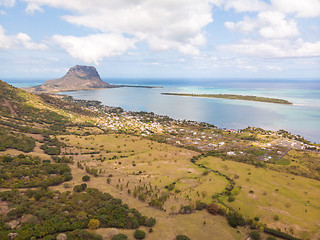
(77, 78)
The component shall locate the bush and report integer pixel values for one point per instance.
(119, 236)
(86, 178)
(200, 206)
(80, 188)
(254, 235)
(139, 234)
(82, 234)
(231, 199)
(213, 209)
(235, 219)
(182, 237)
(279, 234)
(271, 238)
(94, 224)
(150, 222)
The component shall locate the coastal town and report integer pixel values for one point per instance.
(262, 145)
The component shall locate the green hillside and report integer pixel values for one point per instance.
(76, 169)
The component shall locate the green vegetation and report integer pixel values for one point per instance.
(24, 171)
(233, 96)
(14, 140)
(254, 235)
(182, 237)
(119, 236)
(190, 178)
(86, 178)
(139, 234)
(49, 212)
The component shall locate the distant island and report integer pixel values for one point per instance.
(78, 78)
(233, 96)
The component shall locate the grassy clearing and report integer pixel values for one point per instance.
(265, 194)
(154, 166)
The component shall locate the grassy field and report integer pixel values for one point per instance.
(279, 200)
(160, 166)
(141, 162)
(270, 195)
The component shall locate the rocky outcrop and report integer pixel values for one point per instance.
(77, 78)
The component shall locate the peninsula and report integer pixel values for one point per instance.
(78, 78)
(233, 96)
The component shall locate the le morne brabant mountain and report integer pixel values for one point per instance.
(77, 78)
(76, 169)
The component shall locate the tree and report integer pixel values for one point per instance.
(139, 234)
(150, 222)
(94, 224)
(254, 235)
(86, 178)
(235, 219)
(213, 209)
(119, 236)
(182, 237)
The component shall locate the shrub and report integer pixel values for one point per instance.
(254, 235)
(235, 219)
(150, 222)
(200, 205)
(271, 238)
(80, 188)
(279, 234)
(213, 209)
(119, 236)
(276, 217)
(82, 234)
(86, 178)
(231, 199)
(94, 224)
(182, 237)
(139, 234)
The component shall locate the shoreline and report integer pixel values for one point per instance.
(233, 97)
(280, 132)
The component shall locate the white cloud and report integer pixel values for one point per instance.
(245, 27)
(302, 8)
(275, 25)
(268, 24)
(19, 40)
(93, 48)
(7, 3)
(246, 5)
(274, 48)
(32, 7)
(163, 24)
(274, 68)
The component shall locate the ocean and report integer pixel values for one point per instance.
(303, 117)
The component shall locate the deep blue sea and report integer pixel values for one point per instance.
(303, 117)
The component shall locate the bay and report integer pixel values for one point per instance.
(303, 117)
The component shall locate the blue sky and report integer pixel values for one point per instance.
(42, 39)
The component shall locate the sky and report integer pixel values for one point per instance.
(42, 39)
